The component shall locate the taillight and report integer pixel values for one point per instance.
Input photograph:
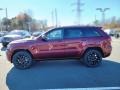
(108, 42)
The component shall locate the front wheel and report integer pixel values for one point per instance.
(22, 60)
(92, 58)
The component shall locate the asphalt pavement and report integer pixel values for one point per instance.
(61, 74)
(64, 74)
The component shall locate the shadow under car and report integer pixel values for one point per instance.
(64, 74)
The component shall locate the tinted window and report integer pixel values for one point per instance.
(55, 34)
(73, 33)
(91, 33)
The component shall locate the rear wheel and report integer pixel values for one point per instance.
(22, 60)
(92, 58)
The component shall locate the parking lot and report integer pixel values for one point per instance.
(61, 74)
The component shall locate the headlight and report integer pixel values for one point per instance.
(9, 47)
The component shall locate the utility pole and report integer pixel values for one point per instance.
(6, 13)
(52, 17)
(103, 10)
(78, 11)
(56, 17)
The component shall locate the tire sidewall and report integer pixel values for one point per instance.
(85, 58)
(14, 59)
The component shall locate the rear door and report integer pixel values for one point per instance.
(74, 41)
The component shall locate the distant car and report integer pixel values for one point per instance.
(110, 32)
(37, 33)
(90, 44)
(117, 34)
(2, 33)
(0, 39)
(14, 35)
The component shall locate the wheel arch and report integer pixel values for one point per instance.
(95, 48)
(18, 50)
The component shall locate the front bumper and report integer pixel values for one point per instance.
(9, 55)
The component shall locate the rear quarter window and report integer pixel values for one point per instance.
(73, 33)
(91, 33)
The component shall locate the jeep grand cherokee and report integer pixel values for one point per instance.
(88, 43)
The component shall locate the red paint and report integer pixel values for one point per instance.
(41, 49)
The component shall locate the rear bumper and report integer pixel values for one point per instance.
(107, 51)
(107, 55)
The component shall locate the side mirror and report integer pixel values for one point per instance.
(44, 38)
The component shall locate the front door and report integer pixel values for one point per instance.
(53, 46)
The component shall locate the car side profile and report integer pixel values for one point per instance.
(89, 44)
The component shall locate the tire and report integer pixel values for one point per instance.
(22, 60)
(92, 58)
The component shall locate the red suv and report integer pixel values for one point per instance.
(88, 44)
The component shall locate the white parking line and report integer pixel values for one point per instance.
(96, 88)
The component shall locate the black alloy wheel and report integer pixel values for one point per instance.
(92, 58)
(22, 60)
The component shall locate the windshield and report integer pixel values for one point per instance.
(16, 33)
(42, 34)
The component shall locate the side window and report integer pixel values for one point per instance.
(73, 33)
(91, 33)
(55, 34)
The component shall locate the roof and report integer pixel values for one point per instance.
(79, 27)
